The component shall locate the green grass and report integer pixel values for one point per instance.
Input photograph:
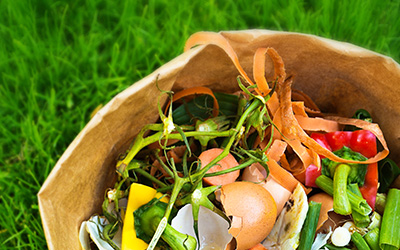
(60, 59)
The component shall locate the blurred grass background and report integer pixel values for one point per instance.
(60, 59)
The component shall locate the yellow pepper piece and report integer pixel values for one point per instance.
(138, 195)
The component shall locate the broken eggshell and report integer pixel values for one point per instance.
(257, 174)
(94, 228)
(252, 209)
(213, 229)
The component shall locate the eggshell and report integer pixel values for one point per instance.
(213, 229)
(253, 211)
(255, 173)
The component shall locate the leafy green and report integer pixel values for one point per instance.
(357, 171)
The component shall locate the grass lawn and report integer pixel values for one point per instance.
(60, 59)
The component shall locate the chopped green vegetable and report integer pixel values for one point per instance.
(359, 219)
(332, 247)
(310, 226)
(359, 241)
(147, 219)
(342, 175)
(390, 230)
(357, 204)
(388, 171)
(376, 219)
(380, 203)
(357, 171)
(372, 239)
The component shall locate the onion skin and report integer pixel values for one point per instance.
(253, 212)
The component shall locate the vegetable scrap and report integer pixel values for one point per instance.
(262, 168)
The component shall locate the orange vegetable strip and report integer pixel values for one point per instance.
(291, 128)
(277, 121)
(195, 91)
(259, 74)
(276, 150)
(317, 124)
(283, 177)
(308, 102)
(259, 68)
(302, 152)
(299, 108)
(205, 38)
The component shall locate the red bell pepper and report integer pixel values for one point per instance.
(361, 141)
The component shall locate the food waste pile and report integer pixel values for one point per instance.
(261, 168)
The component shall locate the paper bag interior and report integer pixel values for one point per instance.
(339, 77)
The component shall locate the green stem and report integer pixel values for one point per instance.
(238, 167)
(179, 182)
(144, 173)
(359, 219)
(341, 204)
(165, 167)
(255, 104)
(140, 142)
(357, 203)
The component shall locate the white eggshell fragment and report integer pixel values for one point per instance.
(93, 228)
(213, 229)
(84, 237)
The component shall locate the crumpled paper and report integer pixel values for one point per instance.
(339, 77)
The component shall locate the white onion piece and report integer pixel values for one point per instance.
(213, 229)
(341, 237)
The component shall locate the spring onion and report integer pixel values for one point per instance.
(359, 219)
(359, 241)
(310, 226)
(372, 239)
(390, 230)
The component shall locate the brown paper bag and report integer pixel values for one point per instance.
(339, 77)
